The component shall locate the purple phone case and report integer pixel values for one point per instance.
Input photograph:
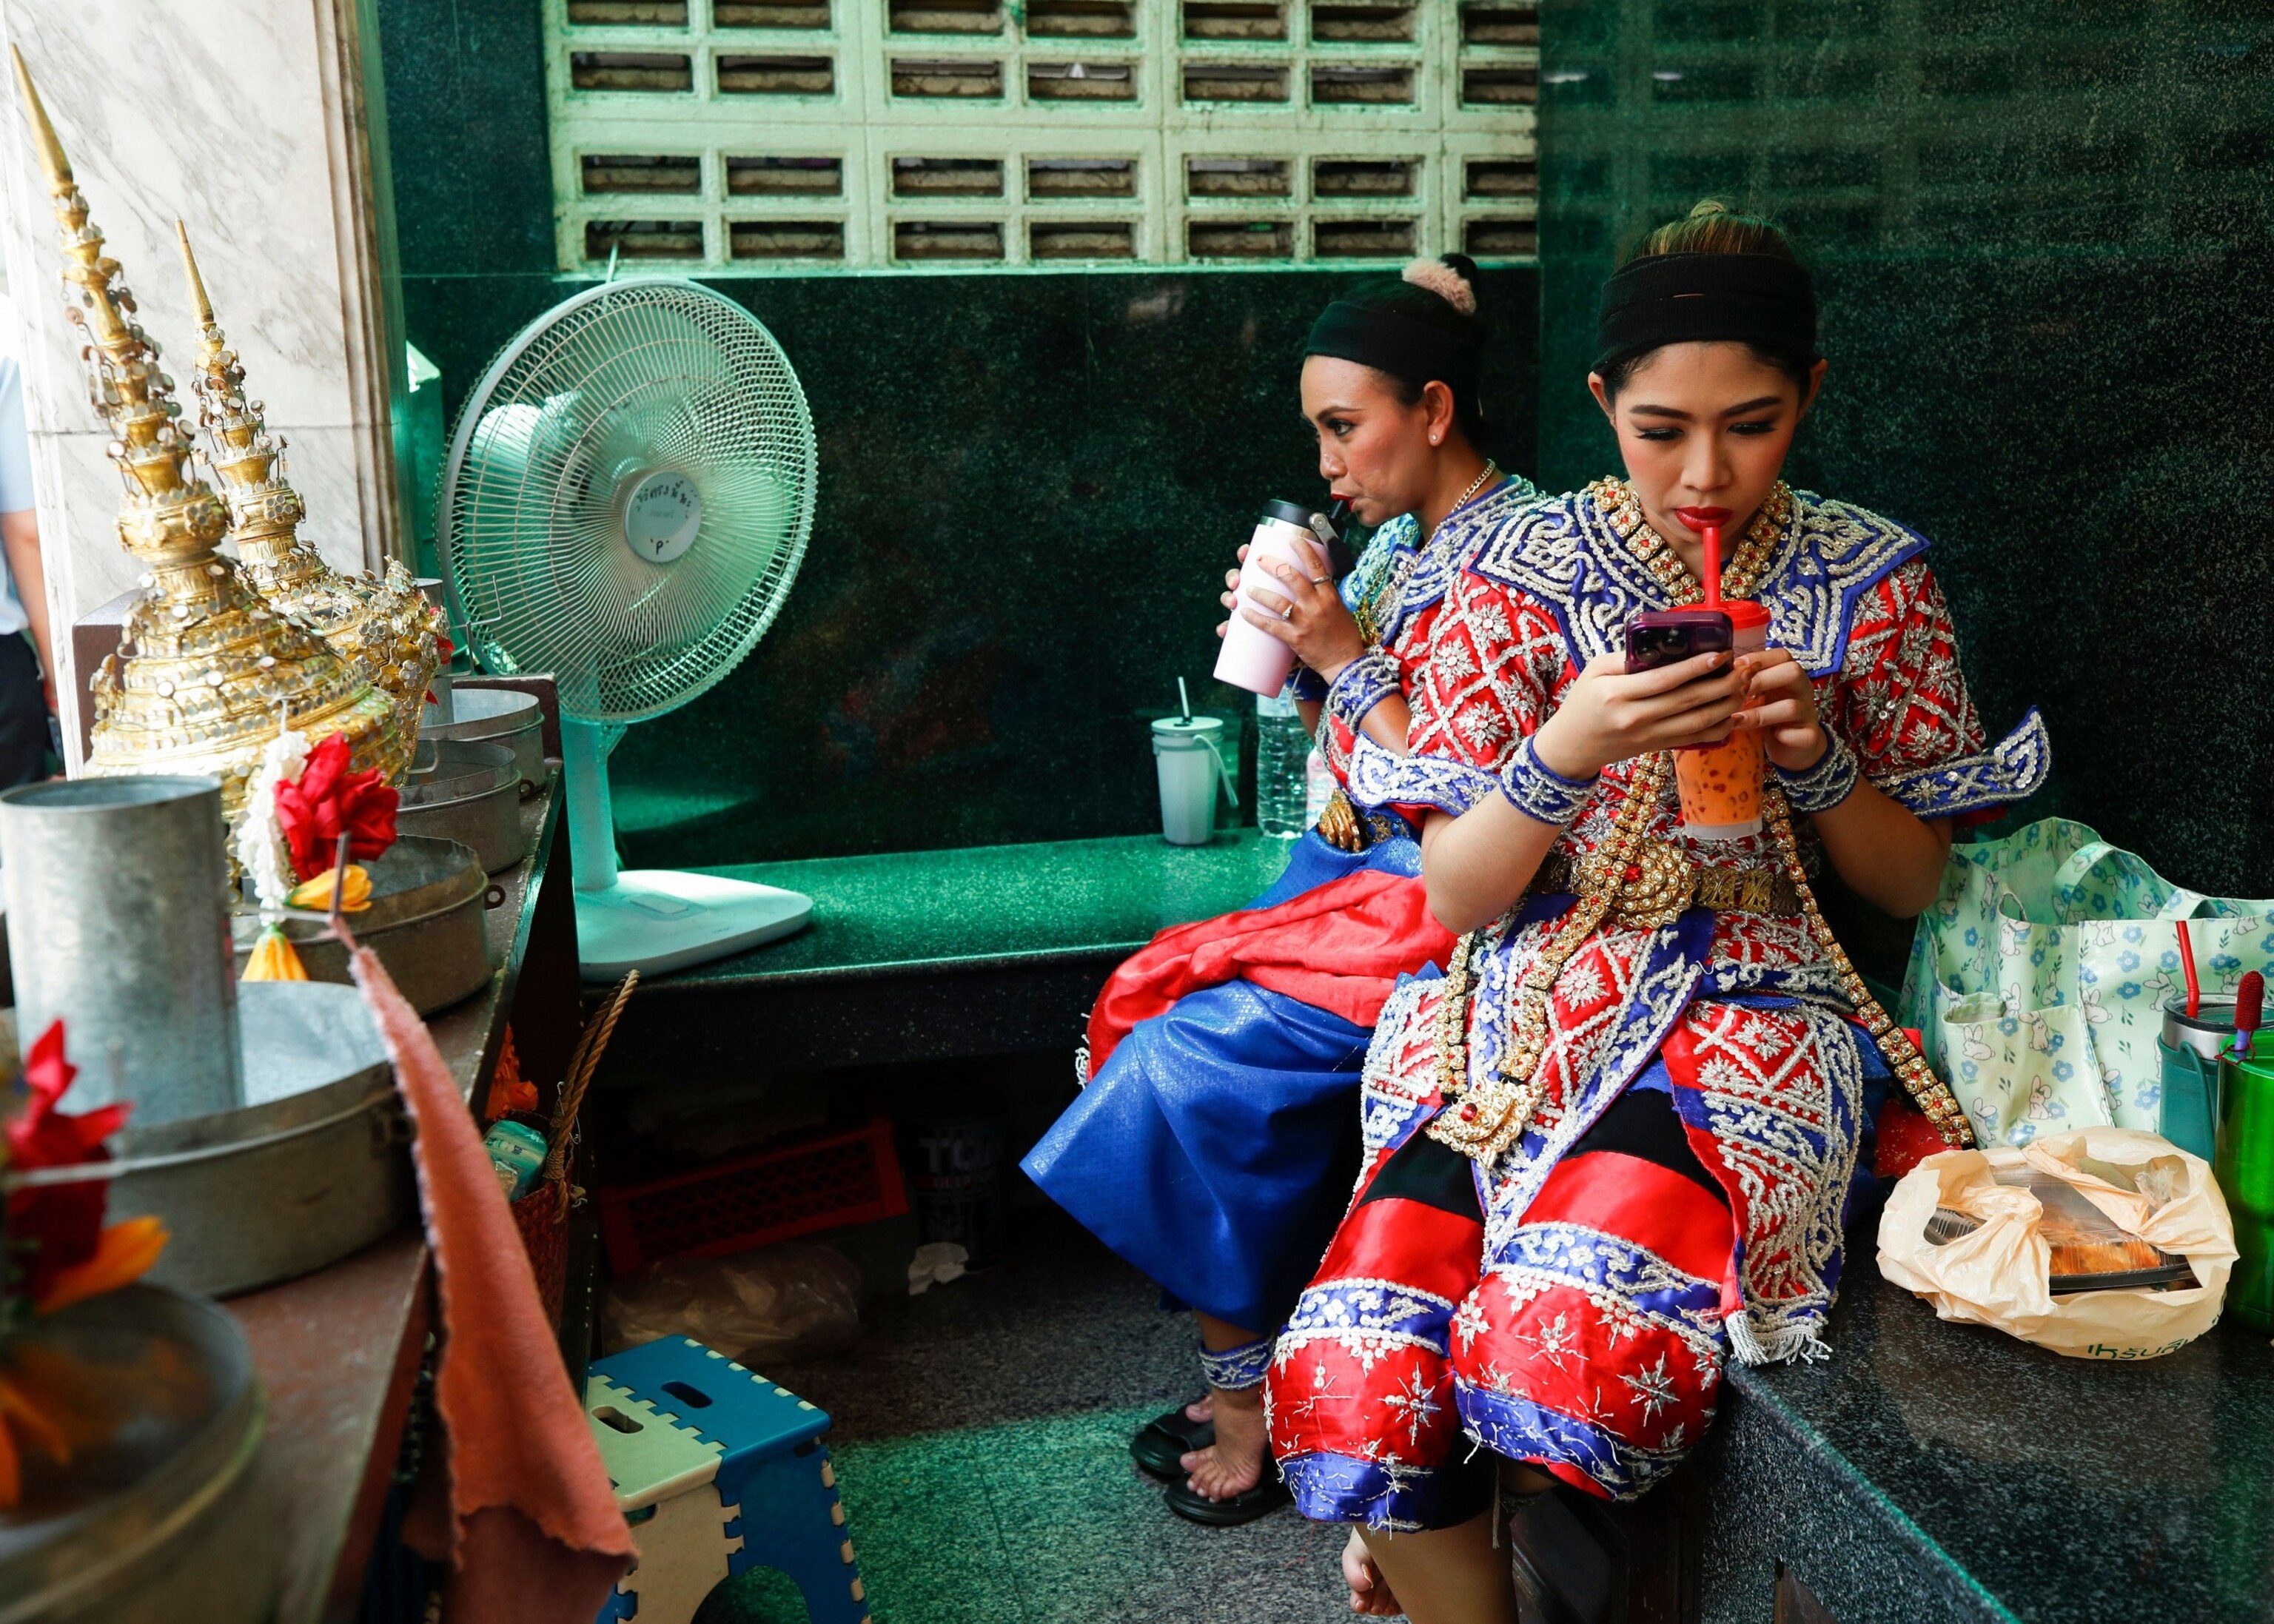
(1671, 635)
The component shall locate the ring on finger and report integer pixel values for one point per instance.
(1287, 613)
(1320, 580)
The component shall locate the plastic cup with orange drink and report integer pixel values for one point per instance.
(1720, 783)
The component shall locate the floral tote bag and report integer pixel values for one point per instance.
(2040, 975)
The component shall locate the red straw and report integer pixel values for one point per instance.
(1712, 581)
(2188, 965)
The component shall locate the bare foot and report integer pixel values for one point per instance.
(1370, 1592)
(1203, 1410)
(1234, 1463)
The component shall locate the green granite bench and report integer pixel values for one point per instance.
(933, 955)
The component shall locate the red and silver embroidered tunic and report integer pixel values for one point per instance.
(1591, 1347)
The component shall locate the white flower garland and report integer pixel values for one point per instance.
(260, 848)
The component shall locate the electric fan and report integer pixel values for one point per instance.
(625, 503)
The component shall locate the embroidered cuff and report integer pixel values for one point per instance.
(1825, 785)
(1307, 685)
(1360, 686)
(1383, 779)
(1538, 791)
(2009, 770)
(1236, 1370)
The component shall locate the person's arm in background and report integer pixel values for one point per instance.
(19, 539)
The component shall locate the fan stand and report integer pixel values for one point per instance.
(654, 920)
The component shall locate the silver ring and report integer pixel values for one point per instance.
(1287, 615)
(1320, 580)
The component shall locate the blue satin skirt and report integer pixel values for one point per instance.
(1215, 1148)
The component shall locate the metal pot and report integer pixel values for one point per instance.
(426, 922)
(472, 796)
(497, 716)
(312, 1166)
(190, 1535)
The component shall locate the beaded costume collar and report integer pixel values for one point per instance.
(1417, 574)
(1593, 559)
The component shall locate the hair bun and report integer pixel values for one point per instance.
(1448, 278)
(1709, 207)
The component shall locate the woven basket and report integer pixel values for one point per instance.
(542, 1215)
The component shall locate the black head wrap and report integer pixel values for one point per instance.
(1760, 300)
(1403, 346)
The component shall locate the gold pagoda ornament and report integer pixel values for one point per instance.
(204, 666)
(386, 630)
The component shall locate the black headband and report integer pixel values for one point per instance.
(1759, 299)
(1397, 344)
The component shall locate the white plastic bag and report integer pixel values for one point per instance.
(1999, 1274)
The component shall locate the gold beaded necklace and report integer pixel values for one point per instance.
(1484, 1120)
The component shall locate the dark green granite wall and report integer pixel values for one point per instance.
(1029, 484)
(2042, 234)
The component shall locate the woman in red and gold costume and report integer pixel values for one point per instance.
(1614, 1144)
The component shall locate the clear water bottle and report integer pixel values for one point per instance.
(1282, 749)
(1319, 787)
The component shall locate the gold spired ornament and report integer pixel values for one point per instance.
(205, 667)
(386, 631)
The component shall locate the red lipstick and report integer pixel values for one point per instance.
(1701, 519)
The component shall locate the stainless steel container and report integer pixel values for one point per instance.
(472, 796)
(2210, 1029)
(118, 906)
(314, 1166)
(498, 716)
(163, 1519)
(425, 921)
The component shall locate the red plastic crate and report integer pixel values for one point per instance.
(752, 1200)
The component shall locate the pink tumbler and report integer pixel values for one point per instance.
(1252, 657)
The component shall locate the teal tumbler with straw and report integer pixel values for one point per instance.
(2188, 1113)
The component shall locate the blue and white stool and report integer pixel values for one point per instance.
(717, 1469)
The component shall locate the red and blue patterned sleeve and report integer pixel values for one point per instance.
(1901, 702)
(1492, 664)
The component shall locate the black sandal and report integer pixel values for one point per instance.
(1264, 1499)
(1161, 1444)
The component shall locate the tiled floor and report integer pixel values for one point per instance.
(981, 1434)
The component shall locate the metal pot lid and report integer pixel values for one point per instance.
(416, 878)
(464, 769)
(311, 1052)
(177, 1370)
(479, 713)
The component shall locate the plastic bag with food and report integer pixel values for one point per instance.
(2099, 1243)
(759, 1307)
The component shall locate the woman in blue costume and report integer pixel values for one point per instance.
(1213, 1145)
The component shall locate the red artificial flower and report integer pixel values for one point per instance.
(444, 649)
(63, 1223)
(329, 802)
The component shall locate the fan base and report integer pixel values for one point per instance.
(654, 920)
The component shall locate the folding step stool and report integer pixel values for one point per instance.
(718, 1470)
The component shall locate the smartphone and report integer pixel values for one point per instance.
(1660, 637)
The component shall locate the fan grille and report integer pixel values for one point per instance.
(624, 381)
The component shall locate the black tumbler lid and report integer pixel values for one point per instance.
(1290, 513)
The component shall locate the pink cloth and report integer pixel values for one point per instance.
(533, 1535)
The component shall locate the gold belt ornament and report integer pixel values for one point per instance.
(1662, 883)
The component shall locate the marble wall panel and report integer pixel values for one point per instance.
(245, 121)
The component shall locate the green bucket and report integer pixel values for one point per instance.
(2245, 1167)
